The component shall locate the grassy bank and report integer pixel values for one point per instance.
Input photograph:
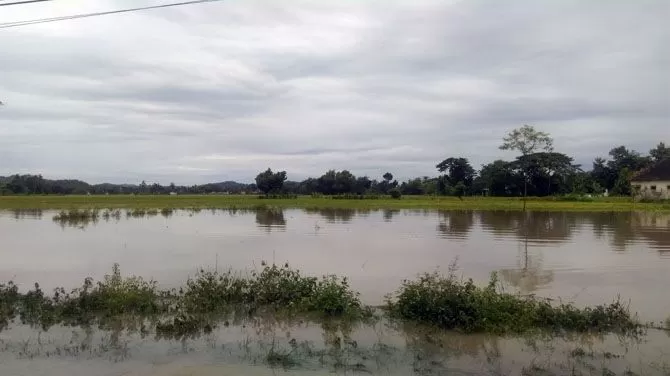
(250, 202)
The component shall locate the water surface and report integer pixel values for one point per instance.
(585, 258)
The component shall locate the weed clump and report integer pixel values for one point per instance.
(9, 297)
(452, 303)
(277, 287)
(115, 296)
(77, 217)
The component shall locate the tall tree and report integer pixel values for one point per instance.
(458, 174)
(527, 140)
(270, 182)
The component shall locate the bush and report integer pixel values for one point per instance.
(395, 193)
(455, 304)
(274, 286)
(9, 297)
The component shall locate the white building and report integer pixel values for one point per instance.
(653, 182)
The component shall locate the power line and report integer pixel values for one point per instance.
(21, 2)
(85, 15)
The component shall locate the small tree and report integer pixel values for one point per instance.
(527, 140)
(270, 182)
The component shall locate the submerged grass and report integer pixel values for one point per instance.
(452, 303)
(160, 202)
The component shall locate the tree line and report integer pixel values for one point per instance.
(538, 170)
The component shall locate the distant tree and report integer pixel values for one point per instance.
(412, 187)
(270, 182)
(308, 186)
(173, 188)
(547, 172)
(622, 185)
(527, 140)
(362, 185)
(500, 179)
(385, 185)
(602, 174)
(622, 158)
(456, 170)
(660, 152)
(622, 165)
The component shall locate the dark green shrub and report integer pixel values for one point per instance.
(9, 298)
(212, 292)
(395, 193)
(455, 304)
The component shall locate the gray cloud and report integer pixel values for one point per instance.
(221, 90)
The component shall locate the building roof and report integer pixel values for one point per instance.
(658, 171)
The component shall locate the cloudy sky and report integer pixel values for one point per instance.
(221, 90)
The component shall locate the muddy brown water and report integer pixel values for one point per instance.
(585, 258)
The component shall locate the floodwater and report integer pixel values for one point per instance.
(585, 258)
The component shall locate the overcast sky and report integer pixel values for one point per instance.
(221, 90)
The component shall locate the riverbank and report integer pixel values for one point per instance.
(605, 204)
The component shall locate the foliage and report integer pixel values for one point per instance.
(527, 141)
(451, 303)
(459, 173)
(270, 182)
(660, 152)
(443, 301)
(9, 297)
(278, 287)
(395, 193)
(537, 171)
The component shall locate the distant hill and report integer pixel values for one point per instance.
(36, 184)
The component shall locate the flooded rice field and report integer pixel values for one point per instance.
(585, 258)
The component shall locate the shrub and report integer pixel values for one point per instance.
(111, 297)
(455, 304)
(395, 193)
(333, 296)
(211, 291)
(9, 297)
(277, 287)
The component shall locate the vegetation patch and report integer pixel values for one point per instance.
(452, 303)
(444, 301)
(77, 216)
(278, 287)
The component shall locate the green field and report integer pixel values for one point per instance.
(249, 202)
